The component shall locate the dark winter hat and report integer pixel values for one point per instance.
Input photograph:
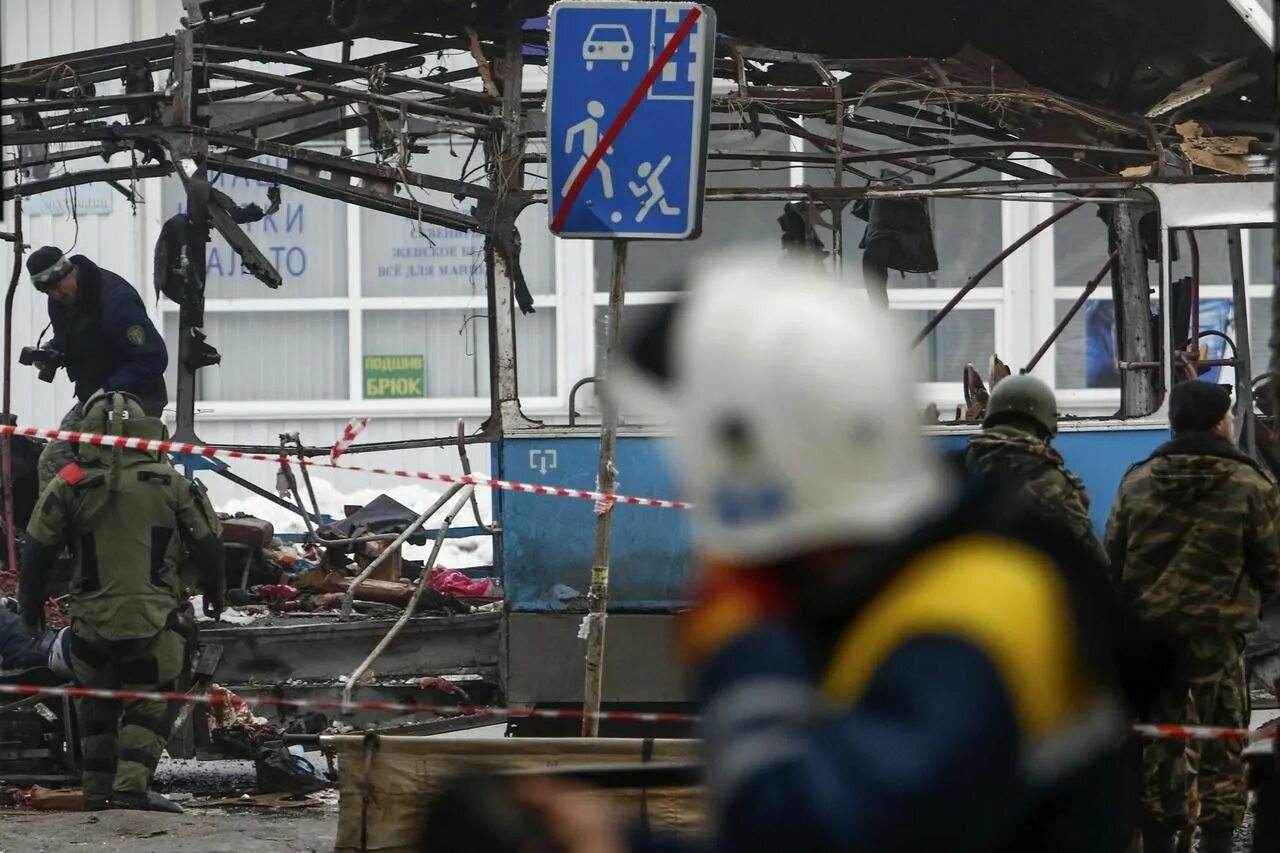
(1197, 406)
(46, 266)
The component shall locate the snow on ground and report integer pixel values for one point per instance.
(455, 554)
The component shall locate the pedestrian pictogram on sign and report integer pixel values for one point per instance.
(627, 111)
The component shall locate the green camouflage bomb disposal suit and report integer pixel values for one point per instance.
(130, 519)
(1194, 533)
(1009, 452)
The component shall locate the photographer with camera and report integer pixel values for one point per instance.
(101, 334)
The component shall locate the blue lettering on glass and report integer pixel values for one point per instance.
(289, 260)
(223, 261)
(295, 261)
(456, 254)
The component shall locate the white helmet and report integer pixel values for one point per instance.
(794, 406)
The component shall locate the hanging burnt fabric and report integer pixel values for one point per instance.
(899, 235)
(799, 232)
(172, 267)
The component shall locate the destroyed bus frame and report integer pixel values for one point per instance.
(544, 543)
(543, 546)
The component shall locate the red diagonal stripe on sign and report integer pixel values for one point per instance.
(681, 33)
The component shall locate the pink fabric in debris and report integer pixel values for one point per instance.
(456, 583)
(279, 596)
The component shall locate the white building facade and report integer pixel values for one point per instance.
(369, 298)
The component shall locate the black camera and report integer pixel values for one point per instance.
(47, 360)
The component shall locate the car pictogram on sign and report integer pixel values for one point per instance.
(608, 43)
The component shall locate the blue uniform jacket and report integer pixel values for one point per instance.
(109, 341)
(17, 648)
(955, 708)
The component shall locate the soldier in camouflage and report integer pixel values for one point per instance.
(1195, 536)
(131, 520)
(1021, 420)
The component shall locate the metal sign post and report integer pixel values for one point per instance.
(628, 106)
(606, 481)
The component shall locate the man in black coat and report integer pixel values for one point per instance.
(103, 335)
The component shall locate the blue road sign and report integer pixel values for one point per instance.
(628, 101)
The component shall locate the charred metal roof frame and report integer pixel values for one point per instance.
(976, 88)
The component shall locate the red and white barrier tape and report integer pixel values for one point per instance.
(354, 427)
(1170, 731)
(465, 479)
(339, 705)
(1165, 731)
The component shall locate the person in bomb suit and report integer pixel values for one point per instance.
(131, 521)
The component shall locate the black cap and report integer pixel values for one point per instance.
(46, 266)
(1197, 406)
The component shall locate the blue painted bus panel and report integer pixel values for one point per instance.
(1099, 457)
(547, 542)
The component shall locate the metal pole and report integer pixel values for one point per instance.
(1245, 434)
(1138, 389)
(296, 439)
(1274, 385)
(6, 454)
(291, 486)
(190, 317)
(1071, 314)
(606, 475)
(992, 264)
(466, 469)
(837, 209)
(506, 155)
(413, 600)
(395, 544)
(1194, 245)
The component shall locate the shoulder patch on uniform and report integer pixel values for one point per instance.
(136, 335)
(71, 473)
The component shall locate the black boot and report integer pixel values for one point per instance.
(1216, 839)
(96, 804)
(1158, 838)
(149, 801)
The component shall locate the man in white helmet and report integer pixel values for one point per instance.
(886, 659)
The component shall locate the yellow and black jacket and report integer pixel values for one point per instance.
(956, 691)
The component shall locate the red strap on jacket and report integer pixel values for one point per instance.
(71, 473)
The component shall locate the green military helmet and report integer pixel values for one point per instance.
(1023, 397)
(118, 413)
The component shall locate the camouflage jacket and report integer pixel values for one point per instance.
(1019, 456)
(1195, 536)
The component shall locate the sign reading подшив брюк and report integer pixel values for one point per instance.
(394, 376)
